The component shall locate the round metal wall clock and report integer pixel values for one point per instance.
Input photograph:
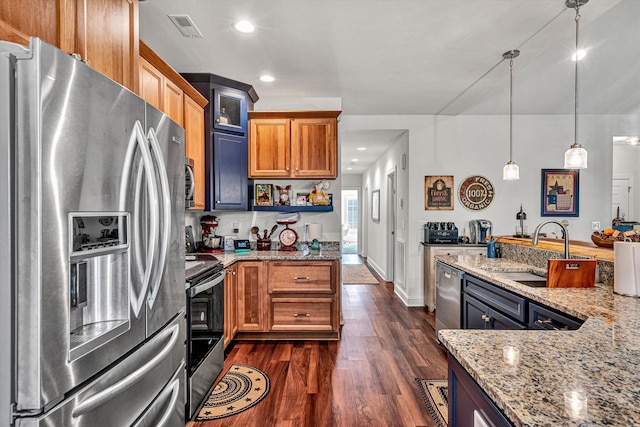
(476, 193)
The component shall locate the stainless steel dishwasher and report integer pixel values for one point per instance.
(448, 296)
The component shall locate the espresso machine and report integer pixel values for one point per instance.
(479, 230)
(210, 242)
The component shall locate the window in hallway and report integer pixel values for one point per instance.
(350, 217)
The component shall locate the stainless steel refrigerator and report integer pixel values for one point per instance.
(91, 261)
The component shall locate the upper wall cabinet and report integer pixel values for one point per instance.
(104, 33)
(225, 129)
(162, 87)
(293, 144)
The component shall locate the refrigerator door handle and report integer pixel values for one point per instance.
(192, 180)
(174, 390)
(138, 140)
(105, 395)
(166, 215)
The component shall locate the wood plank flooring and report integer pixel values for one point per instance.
(366, 379)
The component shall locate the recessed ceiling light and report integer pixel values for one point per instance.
(354, 160)
(244, 27)
(361, 148)
(349, 169)
(267, 78)
(581, 54)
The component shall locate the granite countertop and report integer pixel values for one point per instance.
(601, 358)
(229, 258)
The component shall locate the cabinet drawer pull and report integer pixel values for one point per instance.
(301, 315)
(301, 278)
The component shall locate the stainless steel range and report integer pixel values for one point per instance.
(205, 326)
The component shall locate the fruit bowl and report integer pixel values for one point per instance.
(607, 238)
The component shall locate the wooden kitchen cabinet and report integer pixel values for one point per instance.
(161, 92)
(230, 305)
(293, 144)
(194, 147)
(303, 297)
(104, 33)
(251, 296)
(168, 91)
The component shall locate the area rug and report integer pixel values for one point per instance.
(238, 390)
(357, 274)
(434, 393)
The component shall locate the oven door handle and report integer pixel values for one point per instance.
(216, 280)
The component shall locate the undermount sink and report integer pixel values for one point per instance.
(525, 278)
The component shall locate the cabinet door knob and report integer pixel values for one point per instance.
(486, 318)
(217, 120)
(217, 201)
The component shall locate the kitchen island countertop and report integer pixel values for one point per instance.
(228, 258)
(601, 358)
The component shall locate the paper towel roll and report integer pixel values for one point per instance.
(315, 231)
(625, 268)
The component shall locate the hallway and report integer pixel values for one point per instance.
(366, 379)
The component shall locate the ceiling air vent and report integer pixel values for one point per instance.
(185, 25)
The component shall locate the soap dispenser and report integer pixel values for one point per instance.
(491, 248)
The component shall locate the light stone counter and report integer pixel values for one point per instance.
(602, 358)
(229, 258)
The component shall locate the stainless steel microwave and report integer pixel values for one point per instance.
(189, 183)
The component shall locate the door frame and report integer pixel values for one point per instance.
(391, 223)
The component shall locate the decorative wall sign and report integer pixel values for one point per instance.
(438, 192)
(560, 192)
(476, 193)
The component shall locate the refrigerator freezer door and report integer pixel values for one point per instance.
(146, 387)
(166, 289)
(73, 127)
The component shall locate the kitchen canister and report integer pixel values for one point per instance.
(626, 268)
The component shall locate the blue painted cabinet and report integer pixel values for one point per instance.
(227, 186)
(468, 404)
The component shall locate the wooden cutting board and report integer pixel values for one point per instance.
(571, 273)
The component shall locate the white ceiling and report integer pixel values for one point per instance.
(400, 57)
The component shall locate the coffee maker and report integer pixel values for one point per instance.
(210, 242)
(479, 230)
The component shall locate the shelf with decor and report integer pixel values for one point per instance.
(294, 208)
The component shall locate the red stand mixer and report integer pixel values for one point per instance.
(210, 242)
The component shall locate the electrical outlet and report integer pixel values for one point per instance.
(236, 227)
(595, 225)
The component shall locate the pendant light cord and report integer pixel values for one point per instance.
(575, 130)
(511, 110)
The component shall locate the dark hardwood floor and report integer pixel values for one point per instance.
(366, 379)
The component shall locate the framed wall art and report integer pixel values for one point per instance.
(438, 193)
(375, 205)
(560, 190)
(264, 195)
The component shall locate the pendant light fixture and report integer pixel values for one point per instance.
(511, 171)
(576, 156)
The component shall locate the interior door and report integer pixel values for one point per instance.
(620, 198)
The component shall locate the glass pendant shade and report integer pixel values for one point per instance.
(575, 157)
(510, 172)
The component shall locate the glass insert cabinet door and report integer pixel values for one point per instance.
(230, 110)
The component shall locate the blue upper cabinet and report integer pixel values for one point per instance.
(227, 186)
(229, 110)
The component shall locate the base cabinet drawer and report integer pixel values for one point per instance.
(302, 314)
(301, 277)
